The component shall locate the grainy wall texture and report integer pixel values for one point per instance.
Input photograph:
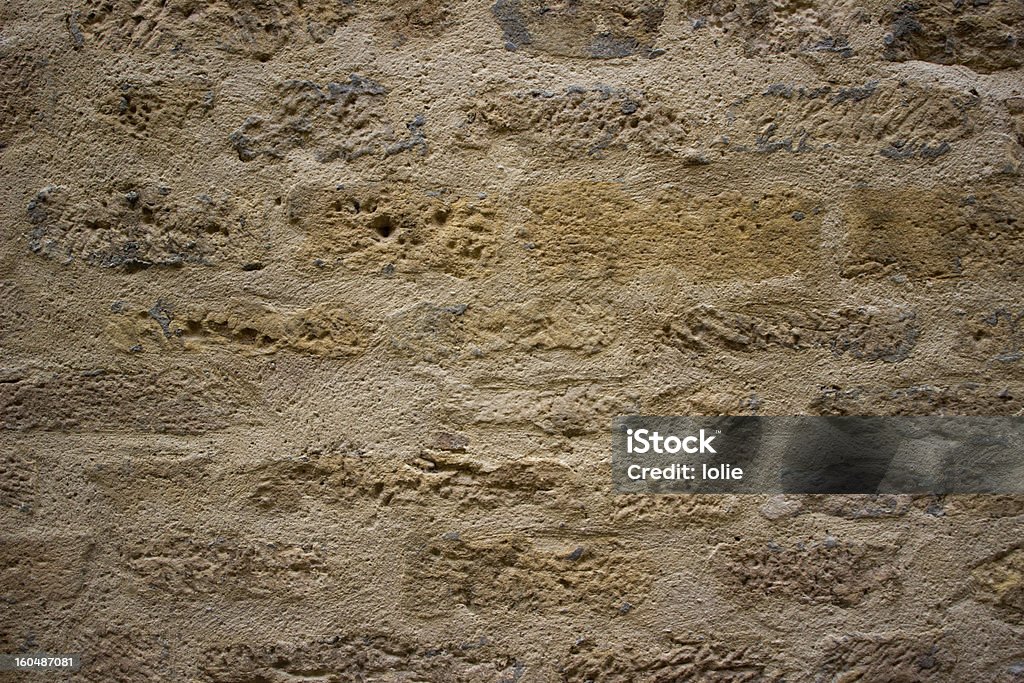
(315, 315)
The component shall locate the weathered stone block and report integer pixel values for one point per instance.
(596, 231)
(985, 35)
(596, 29)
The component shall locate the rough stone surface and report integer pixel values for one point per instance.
(314, 316)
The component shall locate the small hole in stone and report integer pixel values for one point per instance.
(247, 335)
(382, 226)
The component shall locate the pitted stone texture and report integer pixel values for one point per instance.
(239, 326)
(517, 575)
(579, 122)
(255, 30)
(986, 35)
(1000, 582)
(357, 655)
(138, 226)
(738, 659)
(886, 656)
(895, 119)
(340, 120)
(765, 28)
(814, 572)
(375, 228)
(952, 398)
(863, 333)
(933, 233)
(177, 400)
(182, 564)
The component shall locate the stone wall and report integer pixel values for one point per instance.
(315, 315)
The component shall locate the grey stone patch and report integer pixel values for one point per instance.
(457, 309)
(415, 140)
(855, 94)
(513, 24)
(766, 143)
(355, 86)
(161, 313)
(788, 92)
(900, 150)
(593, 30)
(75, 29)
(838, 45)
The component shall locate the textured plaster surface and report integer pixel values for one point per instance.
(314, 316)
